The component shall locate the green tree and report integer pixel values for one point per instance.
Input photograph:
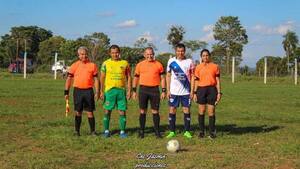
(13, 44)
(99, 45)
(231, 36)
(143, 43)
(290, 43)
(194, 45)
(276, 66)
(164, 58)
(47, 49)
(175, 35)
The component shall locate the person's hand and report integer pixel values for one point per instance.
(97, 96)
(195, 98)
(128, 95)
(101, 95)
(134, 95)
(168, 95)
(191, 96)
(219, 95)
(67, 97)
(163, 95)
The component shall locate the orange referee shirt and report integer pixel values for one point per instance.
(207, 73)
(149, 72)
(84, 74)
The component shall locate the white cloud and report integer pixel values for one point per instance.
(127, 24)
(208, 28)
(280, 29)
(147, 35)
(209, 37)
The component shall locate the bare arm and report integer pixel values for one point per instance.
(102, 81)
(96, 84)
(134, 86)
(168, 80)
(68, 85)
(218, 86)
(128, 77)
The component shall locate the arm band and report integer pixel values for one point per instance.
(163, 89)
(66, 92)
(134, 89)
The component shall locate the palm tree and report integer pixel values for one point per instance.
(289, 45)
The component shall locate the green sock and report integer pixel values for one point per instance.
(122, 122)
(106, 121)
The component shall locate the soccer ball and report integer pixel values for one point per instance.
(173, 146)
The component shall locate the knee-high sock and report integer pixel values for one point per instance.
(201, 119)
(142, 122)
(187, 122)
(77, 123)
(106, 120)
(172, 121)
(92, 123)
(122, 122)
(212, 124)
(156, 121)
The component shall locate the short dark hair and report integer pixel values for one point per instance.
(204, 50)
(180, 45)
(114, 47)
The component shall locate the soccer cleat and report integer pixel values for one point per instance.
(212, 136)
(93, 133)
(106, 134)
(201, 135)
(141, 134)
(158, 135)
(77, 134)
(171, 134)
(187, 134)
(123, 135)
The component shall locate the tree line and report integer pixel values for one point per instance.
(229, 34)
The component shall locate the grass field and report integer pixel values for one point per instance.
(258, 127)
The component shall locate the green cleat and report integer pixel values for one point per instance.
(187, 134)
(171, 134)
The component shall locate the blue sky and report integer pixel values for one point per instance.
(124, 21)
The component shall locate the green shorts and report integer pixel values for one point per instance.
(115, 97)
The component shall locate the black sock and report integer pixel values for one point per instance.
(156, 121)
(142, 121)
(212, 126)
(92, 123)
(172, 121)
(187, 122)
(201, 123)
(77, 123)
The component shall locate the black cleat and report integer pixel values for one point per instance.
(212, 136)
(141, 134)
(158, 135)
(93, 133)
(77, 134)
(201, 135)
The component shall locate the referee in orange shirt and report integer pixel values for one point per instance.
(149, 73)
(207, 78)
(84, 73)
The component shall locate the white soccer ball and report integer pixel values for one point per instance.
(173, 146)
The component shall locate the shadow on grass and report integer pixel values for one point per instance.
(229, 129)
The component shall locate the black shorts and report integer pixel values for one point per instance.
(149, 93)
(84, 99)
(207, 95)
